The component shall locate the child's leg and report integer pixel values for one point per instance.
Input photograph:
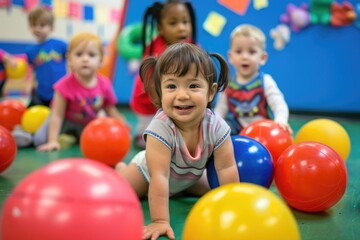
(200, 187)
(41, 135)
(133, 174)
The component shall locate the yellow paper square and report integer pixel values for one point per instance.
(102, 14)
(214, 23)
(60, 8)
(260, 4)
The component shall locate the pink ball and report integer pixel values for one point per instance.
(72, 198)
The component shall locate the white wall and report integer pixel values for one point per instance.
(14, 25)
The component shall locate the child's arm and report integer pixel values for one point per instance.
(8, 59)
(57, 118)
(225, 163)
(277, 103)
(158, 160)
(113, 112)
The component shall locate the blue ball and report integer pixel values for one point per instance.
(253, 161)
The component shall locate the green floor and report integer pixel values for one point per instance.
(340, 222)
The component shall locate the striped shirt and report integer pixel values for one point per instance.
(185, 169)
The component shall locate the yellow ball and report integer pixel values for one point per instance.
(17, 72)
(34, 117)
(240, 211)
(327, 132)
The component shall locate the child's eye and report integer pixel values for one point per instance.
(92, 54)
(171, 86)
(238, 51)
(194, 86)
(78, 54)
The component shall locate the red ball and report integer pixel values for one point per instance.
(11, 112)
(8, 148)
(273, 137)
(311, 176)
(72, 199)
(106, 140)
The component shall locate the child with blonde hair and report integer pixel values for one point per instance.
(252, 95)
(79, 96)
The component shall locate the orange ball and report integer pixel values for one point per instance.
(268, 132)
(106, 140)
(11, 112)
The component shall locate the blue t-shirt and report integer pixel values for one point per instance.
(48, 60)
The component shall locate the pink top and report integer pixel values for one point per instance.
(84, 103)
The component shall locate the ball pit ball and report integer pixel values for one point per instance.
(8, 149)
(11, 112)
(268, 132)
(106, 140)
(253, 162)
(311, 176)
(328, 132)
(72, 198)
(34, 117)
(17, 72)
(240, 211)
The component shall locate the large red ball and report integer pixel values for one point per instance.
(72, 199)
(311, 176)
(268, 132)
(11, 112)
(8, 149)
(106, 140)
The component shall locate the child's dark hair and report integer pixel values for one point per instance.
(153, 15)
(177, 59)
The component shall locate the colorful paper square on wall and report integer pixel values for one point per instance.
(260, 4)
(75, 10)
(29, 4)
(88, 12)
(60, 8)
(214, 23)
(238, 6)
(101, 14)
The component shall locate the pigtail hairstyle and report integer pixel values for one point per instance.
(178, 59)
(193, 20)
(223, 78)
(152, 17)
(147, 77)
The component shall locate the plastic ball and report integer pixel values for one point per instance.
(34, 117)
(253, 162)
(106, 140)
(268, 132)
(240, 211)
(8, 149)
(328, 132)
(72, 198)
(17, 72)
(311, 176)
(11, 112)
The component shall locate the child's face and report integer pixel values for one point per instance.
(175, 25)
(85, 59)
(41, 31)
(184, 99)
(246, 56)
